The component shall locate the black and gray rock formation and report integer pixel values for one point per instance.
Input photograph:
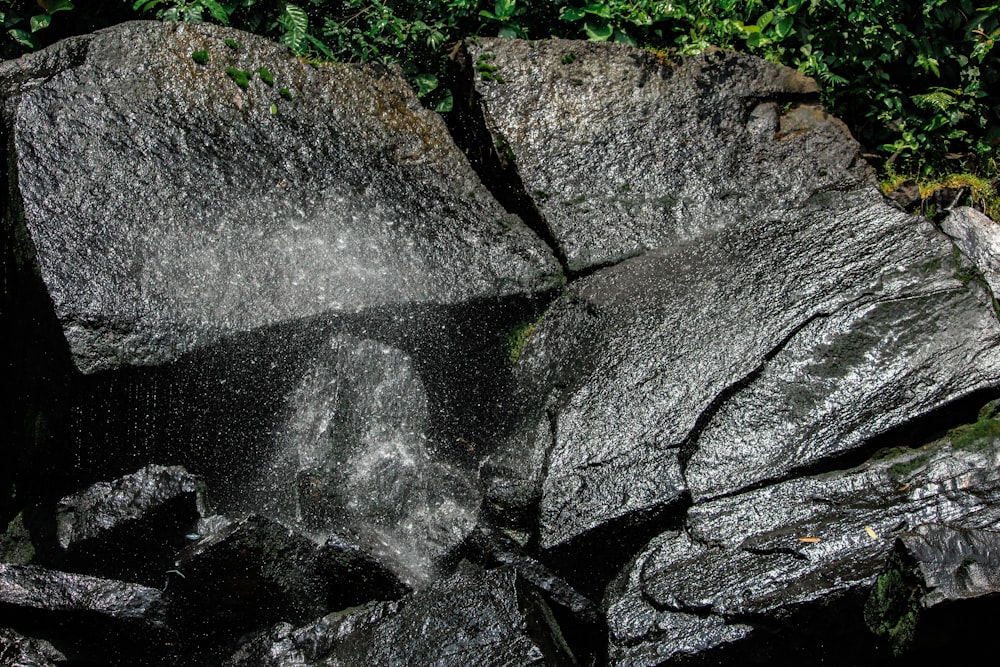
(129, 528)
(617, 387)
(469, 618)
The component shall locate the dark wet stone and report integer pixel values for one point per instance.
(954, 564)
(756, 334)
(475, 618)
(249, 573)
(167, 208)
(33, 588)
(751, 558)
(17, 650)
(623, 151)
(978, 237)
(131, 527)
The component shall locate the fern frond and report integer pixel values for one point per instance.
(296, 25)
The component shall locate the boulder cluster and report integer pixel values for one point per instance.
(629, 362)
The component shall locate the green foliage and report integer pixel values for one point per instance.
(15, 543)
(241, 77)
(266, 76)
(981, 434)
(200, 57)
(517, 339)
(893, 606)
(918, 83)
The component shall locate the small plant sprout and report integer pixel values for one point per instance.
(233, 44)
(287, 94)
(200, 57)
(266, 76)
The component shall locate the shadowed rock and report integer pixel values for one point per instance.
(246, 574)
(475, 618)
(129, 528)
(767, 553)
(20, 651)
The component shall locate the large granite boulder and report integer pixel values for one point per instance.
(780, 315)
(421, 445)
(167, 206)
(184, 243)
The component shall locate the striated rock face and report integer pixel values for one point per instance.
(738, 347)
(294, 388)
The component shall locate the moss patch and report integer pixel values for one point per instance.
(15, 543)
(892, 610)
(517, 339)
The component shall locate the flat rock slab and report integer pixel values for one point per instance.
(484, 618)
(623, 151)
(165, 206)
(764, 554)
(30, 588)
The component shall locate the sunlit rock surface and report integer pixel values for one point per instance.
(774, 551)
(168, 207)
(416, 440)
(757, 332)
(978, 237)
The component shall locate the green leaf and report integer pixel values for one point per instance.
(217, 11)
(53, 6)
(601, 9)
(571, 14)
(296, 24)
(446, 104)
(24, 37)
(504, 9)
(40, 21)
(321, 47)
(598, 31)
(765, 19)
(783, 27)
(426, 82)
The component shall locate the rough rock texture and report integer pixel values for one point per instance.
(19, 651)
(127, 528)
(248, 573)
(355, 450)
(954, 564)
(31, 588)
(421, 446)
(808, 541)
(475, 618)
(168, 207)
(978, 238)
(753, 336)
(624, 152)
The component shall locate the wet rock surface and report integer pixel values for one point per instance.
(16, 649)
(474, 618)
(322, 400)
(978, 237)
(127, 528)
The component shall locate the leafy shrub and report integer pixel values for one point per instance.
(916, 82)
